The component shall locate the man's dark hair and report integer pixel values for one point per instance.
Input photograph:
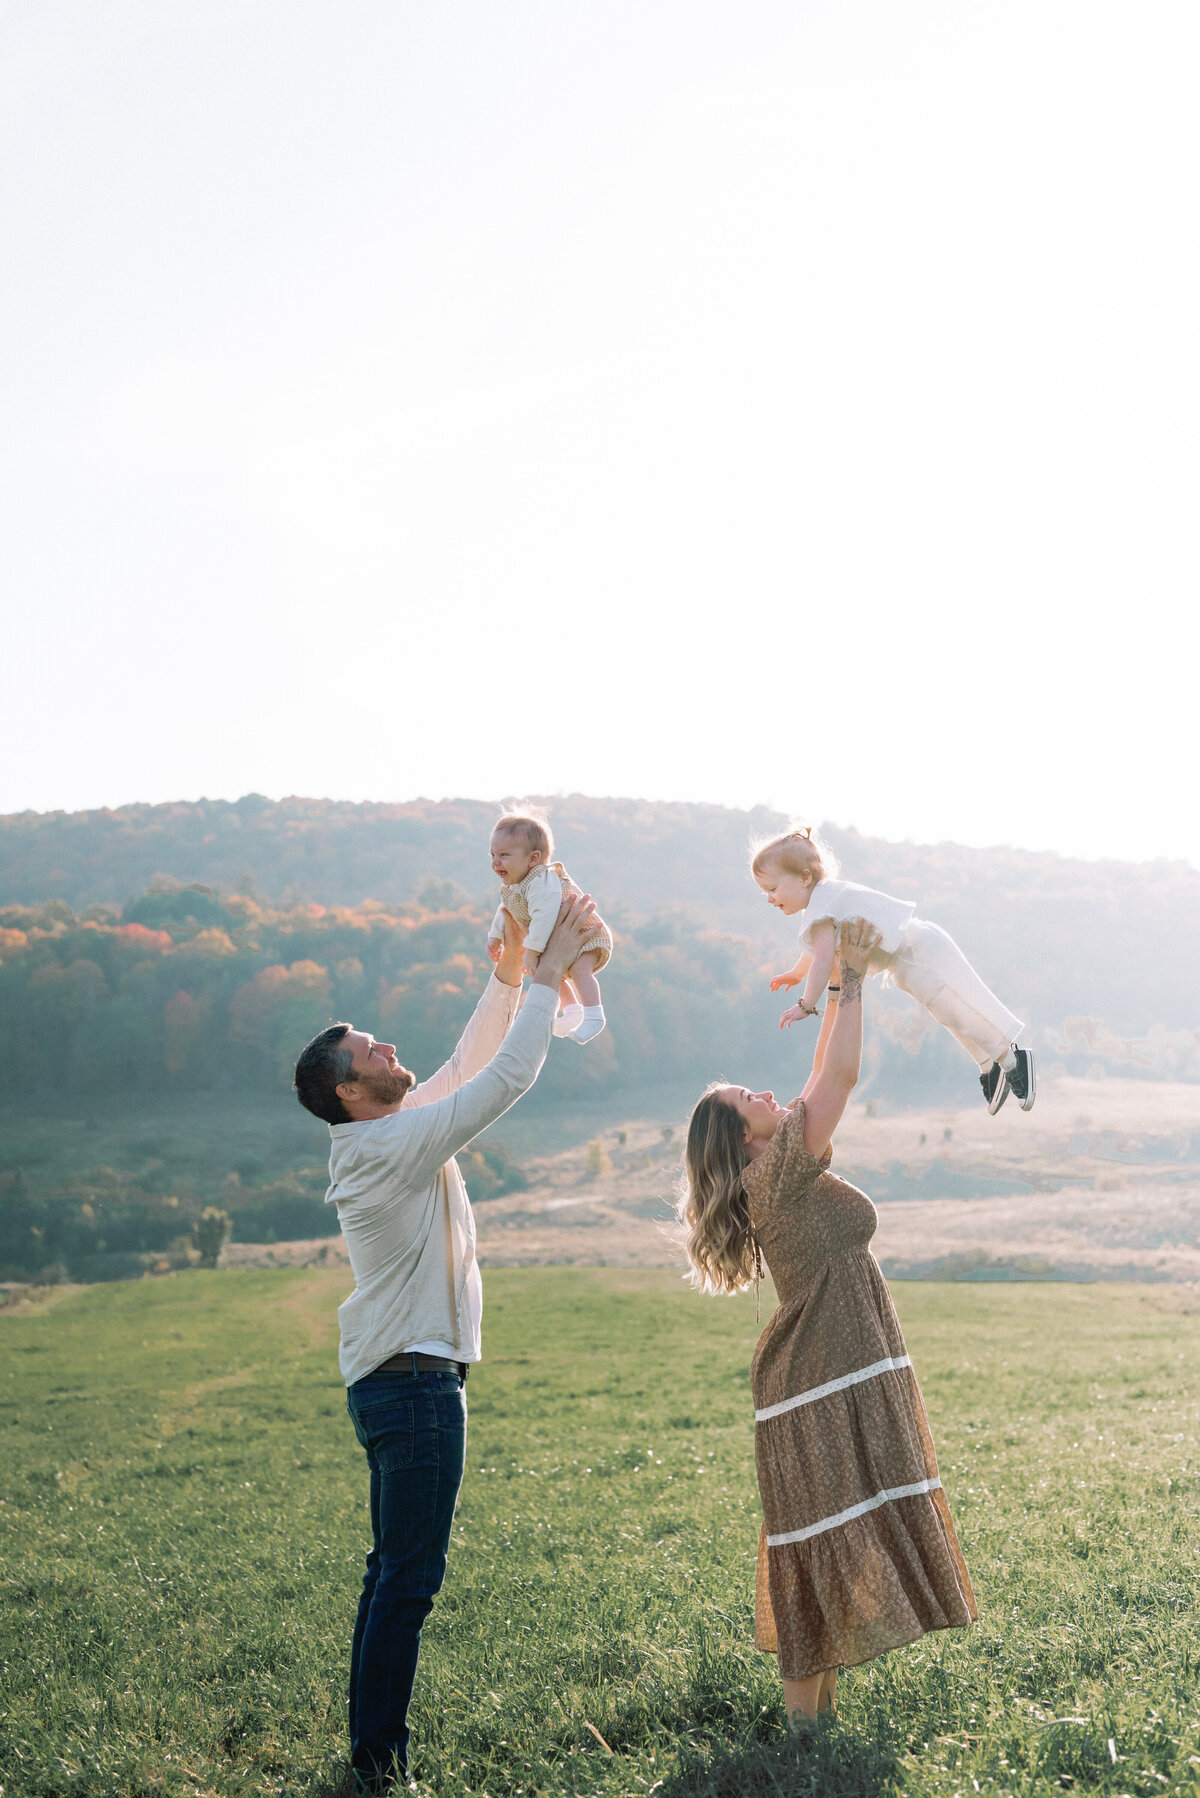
(320, 1069)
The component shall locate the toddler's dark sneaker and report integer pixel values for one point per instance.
(1020, 1081)
(995, 1087)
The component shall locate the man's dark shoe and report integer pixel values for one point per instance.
(1020, 1081)
(995, 1087)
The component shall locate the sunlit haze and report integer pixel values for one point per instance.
(774, 402)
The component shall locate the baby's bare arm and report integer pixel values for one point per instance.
(820, 966)
(793, 977)
(824, 948)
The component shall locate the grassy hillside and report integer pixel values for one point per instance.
(184, 1520)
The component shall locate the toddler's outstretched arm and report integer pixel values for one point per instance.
(824, 947)
(794, 976)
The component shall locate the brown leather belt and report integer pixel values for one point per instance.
(412, 1361)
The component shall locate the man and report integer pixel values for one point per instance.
(410, 1328)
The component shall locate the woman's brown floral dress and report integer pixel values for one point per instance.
(858, 1551)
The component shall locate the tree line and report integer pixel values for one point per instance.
(185, 993)
(1059, 937)
(183, 989)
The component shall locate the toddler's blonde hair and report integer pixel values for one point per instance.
(798, 851)
(530, 825)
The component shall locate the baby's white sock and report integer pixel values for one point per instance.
(1008, 1062)
(568, 1020)
(589, 1025)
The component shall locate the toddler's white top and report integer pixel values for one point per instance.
(843, 899)
(534, 902)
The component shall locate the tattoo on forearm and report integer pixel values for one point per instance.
(851, 993)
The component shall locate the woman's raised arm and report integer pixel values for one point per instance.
(827, 1093)
(827, 1017)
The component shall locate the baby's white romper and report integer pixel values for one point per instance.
(533, 902)
(924, 961)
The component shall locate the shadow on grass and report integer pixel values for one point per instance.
(341, 1785)
(834, 1763)
(336, 1785)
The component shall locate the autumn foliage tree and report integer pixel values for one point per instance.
(280, 1008)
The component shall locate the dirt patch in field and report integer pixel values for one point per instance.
(320, 1251)
(1101, 1181)
(17, 1299)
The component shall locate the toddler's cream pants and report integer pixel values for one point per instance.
(930, 966)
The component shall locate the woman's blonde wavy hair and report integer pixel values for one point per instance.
(711, 1204)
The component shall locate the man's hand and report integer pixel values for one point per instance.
(508, 961)
(575, 923)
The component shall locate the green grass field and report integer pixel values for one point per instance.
(184, 1520)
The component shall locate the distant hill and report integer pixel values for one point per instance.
(1087, 943)
(160, 966)
(337, 853)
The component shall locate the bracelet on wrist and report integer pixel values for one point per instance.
(833, 989)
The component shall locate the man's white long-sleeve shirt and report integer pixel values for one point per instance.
(402, 1204)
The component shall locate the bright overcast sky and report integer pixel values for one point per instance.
(767, 401)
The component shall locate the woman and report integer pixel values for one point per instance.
(858, 1552)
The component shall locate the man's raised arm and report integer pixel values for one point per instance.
(439, 1129)
(486, 1026)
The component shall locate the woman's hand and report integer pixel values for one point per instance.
(855, 943)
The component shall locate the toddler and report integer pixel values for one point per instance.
(531, 891)
(798, 874)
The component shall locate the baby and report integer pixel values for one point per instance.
(798, 874)
(531, 891)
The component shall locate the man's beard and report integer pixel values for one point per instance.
(385, 1089)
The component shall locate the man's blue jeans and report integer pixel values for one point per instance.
(413, 1427)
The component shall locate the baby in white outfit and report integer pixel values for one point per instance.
(532, 886)
(797, 875)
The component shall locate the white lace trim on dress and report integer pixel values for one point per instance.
(868, 1504)
(847, 1379)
